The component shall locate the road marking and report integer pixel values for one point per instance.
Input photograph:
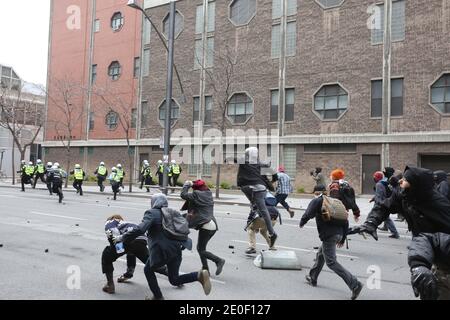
(297, 249)
(141, 264)
(57, 216)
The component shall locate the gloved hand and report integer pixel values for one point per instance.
(188, 183)
(424, 283)
(365, 228)
(117, 239)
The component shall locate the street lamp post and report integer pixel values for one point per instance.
(1, 159)
(169, 87)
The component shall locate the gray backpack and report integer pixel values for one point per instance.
(175, 226)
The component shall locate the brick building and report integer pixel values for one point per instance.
(330, 71)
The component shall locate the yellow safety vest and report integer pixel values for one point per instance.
(161, 168)
(40, 168)
(78, 173)
(176, 169)
(115, 177)
(120, 173)
(29, 170)
(148, 172)
(101, 170)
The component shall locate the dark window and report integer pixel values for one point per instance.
(331, 102)
(240, 108)
(112, 118)
(196, 115)
(144, 113)
(242, 11)
(208, 110)
(94, 73)
(114, 70)
(137, 67)
(117, 21)
(179, 25)
(175, 112)
(440, 94)
(330, 148)
(91, 121)
(289, 105)
(274, 98)
(396, 98)
(133, 118)
(377, 99)
(90, 150)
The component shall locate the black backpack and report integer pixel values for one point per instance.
(175, 226)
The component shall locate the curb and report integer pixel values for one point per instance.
(143, 196)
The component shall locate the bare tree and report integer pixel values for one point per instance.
(66, 96)
(20, 114)
(121, 104)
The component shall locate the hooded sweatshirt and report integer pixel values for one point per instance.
(250, 174)
(442, 183)
(424, 209)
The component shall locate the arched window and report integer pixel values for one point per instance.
(114, 70)
(117, 21)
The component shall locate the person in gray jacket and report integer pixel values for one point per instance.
(200, 207)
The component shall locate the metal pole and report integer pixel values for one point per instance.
(167, 126)
(281, 80)
(386, 109)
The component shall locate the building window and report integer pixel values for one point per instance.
(147, 31)
(330, 148)
(193, 167)
(175, 112)
(326, 4)
(289, 105)
(90, 150)
(242, 11)
(291, 39)
(114, 70)
(144, 113)
(396, 98)
(9, 79)
(179, 24)
(290, 160)
(331, 102)
(117, 21)
(96, 25)
(211, 18)
(208, 110)
(240, 108)
(137, 67)
(276, 8)
(112, 118)
(146, 63)
(398, 23)
(440, 94)
(94, 73)
(209, 53)
(133, 118)
(91, 121)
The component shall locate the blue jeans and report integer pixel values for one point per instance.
(281, 198)
(391, 226)
(173, 268)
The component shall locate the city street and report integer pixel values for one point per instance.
(41, 241)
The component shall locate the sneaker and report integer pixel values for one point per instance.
(124, 278)
(109, 288)
(357, 290)
(250, 251)
(273, 249)
(291, 213)
(272, 239)
(220, 265)
(203, 278)
(394, 236)
(310, 281)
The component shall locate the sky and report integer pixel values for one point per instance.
(24, 37)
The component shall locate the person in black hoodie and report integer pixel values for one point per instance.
(254, 185)
(424, 208)
(332, 233)
(429, 260)
(440, 178)
(200, 207)
(163, 250)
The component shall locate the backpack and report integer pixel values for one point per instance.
(333, 209)
(175, 226)
(347, 195)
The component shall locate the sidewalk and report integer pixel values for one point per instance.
(227, 197)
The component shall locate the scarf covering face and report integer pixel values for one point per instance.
(421, 182)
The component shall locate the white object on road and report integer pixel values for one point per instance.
(279, 259)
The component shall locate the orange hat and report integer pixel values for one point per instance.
(377, 176)
(337, 174)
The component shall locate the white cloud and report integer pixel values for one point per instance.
(24, 37)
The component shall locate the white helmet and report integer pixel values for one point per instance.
(102, 163)
(38, 161)
(173, 162)
(56, 164)
(55, 167)
(49, 164)
(30, 163)
(114, 169)
(119, 166)
(23, 161)
(145, 161)
(77, 166)
(160, 162)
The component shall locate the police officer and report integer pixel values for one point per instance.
(102, 174)
(23, 166)
(114, 179)
(56, 177)
(48, 181)
(121, 174)
(145, 164)
(27, 172)
(79, 175)
(160, 172)
(175, 171)
(147, 177)
(39, 172)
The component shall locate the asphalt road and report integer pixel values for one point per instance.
(32, 223)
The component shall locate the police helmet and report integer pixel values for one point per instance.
(102, 163)
(56, 164)
(77, 166)
(23, 161)
(114, 169)
(49, 164)
(30, 163)
(38, 161)
(173, 162)
(55, 167)
(119, 166)
(160, 162)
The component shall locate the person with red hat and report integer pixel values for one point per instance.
(284, 188)
(200, 207)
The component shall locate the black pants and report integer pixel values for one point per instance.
(160, 179)
(77, 184)
(49, 186)
(115, 188)
(57, 188)
(100, 180)
(175, 181)
(25, 179)
(41, 176)
(136, 249)
(142, 180)
(203, 238)
(258, 200)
